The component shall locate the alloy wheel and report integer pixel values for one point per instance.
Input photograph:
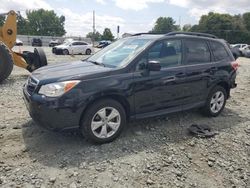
(217, 101)
(106, 122)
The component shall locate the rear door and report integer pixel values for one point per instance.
(198, 69)
(74, 48)
(82, 47)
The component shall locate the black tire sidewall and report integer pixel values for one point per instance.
(207, 109)
(88, 52)
(39, 52)
(7, 63)
(91, 111)
(65, 52)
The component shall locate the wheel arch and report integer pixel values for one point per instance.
(114, 96)
(223, 84)
(87, 50)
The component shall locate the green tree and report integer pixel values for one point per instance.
(231, 28)
(164, 25)
(22, 25)
(107, 35)
(187, 27)
(45, 22)
(217, 24)
(246, 20)
(97, 36)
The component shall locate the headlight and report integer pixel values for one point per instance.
(58, 88)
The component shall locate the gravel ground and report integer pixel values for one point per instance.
(156, 152)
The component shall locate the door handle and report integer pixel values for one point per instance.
(169, 79)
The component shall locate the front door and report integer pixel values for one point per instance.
(160, 91)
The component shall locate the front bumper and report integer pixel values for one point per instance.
(57, 51)
(52, 113)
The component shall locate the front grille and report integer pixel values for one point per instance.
(31, 85)
(54, 50)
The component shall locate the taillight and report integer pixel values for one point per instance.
(235, 65)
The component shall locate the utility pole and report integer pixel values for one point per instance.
(93, 35)
(180, 22)
(118, 31)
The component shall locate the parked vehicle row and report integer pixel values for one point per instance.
(135, 77)
(58, 44)
(242, 48)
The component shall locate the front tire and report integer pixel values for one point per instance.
(65, 52)
(103, 121)
(88, 52)
(216, 101)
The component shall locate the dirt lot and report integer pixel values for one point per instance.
(155, 152)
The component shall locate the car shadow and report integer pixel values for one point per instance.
(71, 149)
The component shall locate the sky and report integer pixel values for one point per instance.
(132, 16)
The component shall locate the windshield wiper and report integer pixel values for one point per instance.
(96, 63)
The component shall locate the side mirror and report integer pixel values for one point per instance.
(154, 66)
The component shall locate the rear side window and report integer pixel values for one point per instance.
(197, 52)
(219, 51)
(82, 43)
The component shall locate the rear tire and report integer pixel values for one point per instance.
(98, 125)
(6, 62)
(216, 102)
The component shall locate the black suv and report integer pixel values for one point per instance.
(36, 42)
(136, 77)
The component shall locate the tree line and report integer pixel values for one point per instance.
(233, 28)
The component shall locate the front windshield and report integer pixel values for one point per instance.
(67, 43)
(120, 52)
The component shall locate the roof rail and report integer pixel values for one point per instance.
(192, 33)
(137, 34)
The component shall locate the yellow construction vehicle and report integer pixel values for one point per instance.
(28, 60)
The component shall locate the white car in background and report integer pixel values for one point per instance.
(240, 47)
(73, 47)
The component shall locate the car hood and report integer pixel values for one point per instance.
(67, 71)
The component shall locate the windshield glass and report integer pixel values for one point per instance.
(120, 52)
(67, 43)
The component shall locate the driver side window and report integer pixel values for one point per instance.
(168, 53)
